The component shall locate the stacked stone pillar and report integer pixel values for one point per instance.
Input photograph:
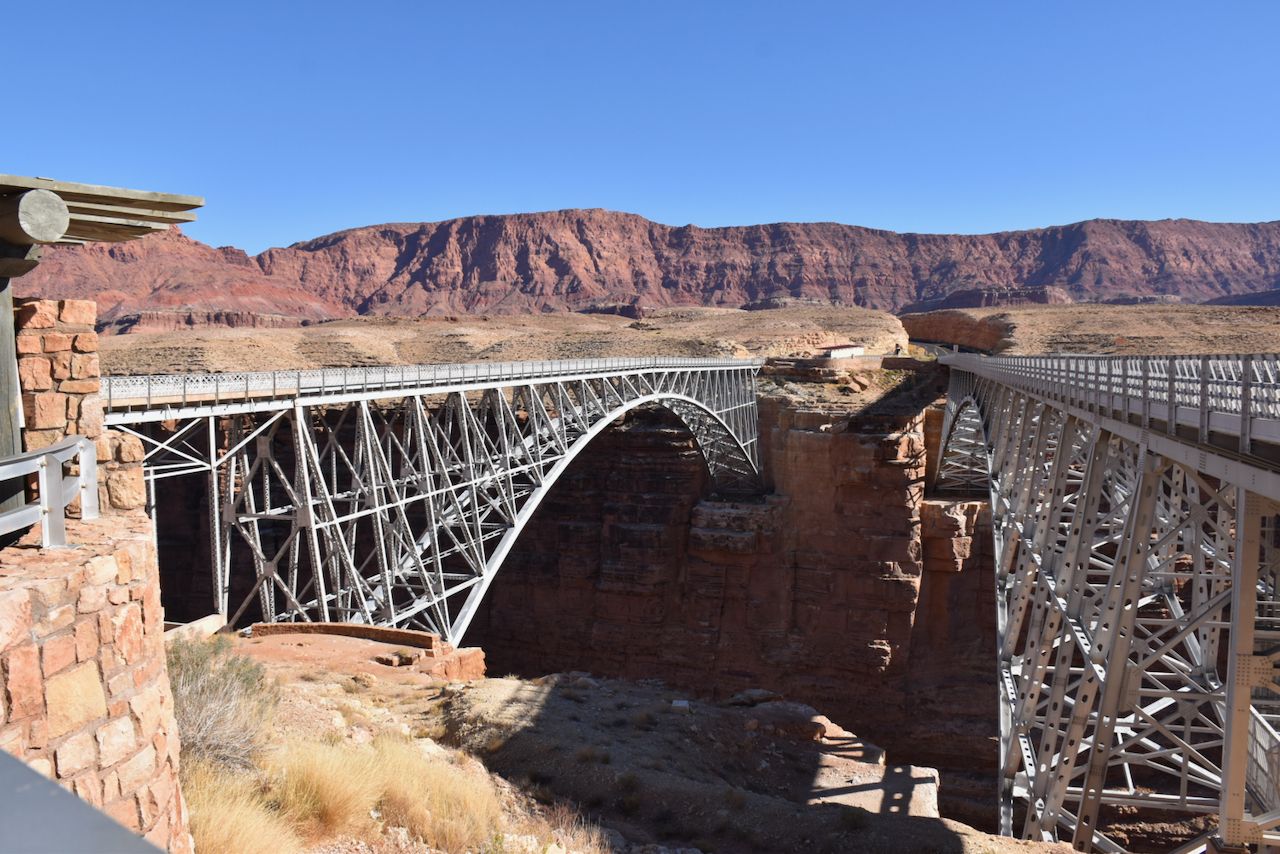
(84, 694)
(60, 376)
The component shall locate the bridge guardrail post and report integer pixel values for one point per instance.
(1203, 422)
(52, 515)
(1246, 403)
(1124, 389)
(88, 485)
(1171, 422)
(1146, 392)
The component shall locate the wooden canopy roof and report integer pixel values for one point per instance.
(109, 214)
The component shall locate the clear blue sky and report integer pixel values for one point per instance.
(295, 120)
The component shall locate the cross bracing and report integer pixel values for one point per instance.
(392, 496)
(1137, 561)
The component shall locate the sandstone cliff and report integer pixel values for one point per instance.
(578, 259)
(169, 281)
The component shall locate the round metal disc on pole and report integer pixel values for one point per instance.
(36, 216)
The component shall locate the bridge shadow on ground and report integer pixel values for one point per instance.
(635, 759)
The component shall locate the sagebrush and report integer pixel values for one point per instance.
(223, 702)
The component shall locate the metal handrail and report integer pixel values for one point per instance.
(1262, 773)
(56, 490)
(1208, 393)
(150, 390)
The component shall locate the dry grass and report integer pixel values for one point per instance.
(337, 789)
(564, 826)
(447, 807)
(223, 702)
(325, 788)
(229, 813)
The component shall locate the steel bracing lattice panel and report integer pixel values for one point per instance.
(394, 498)
(1136, 587)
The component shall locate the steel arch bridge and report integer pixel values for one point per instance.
(392, 495)
(1135, 504)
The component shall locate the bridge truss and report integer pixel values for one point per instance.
(1138, 586)
(392, 495)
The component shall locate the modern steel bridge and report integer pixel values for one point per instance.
(1135, 506)
(392, 495)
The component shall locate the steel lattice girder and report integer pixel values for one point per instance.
(1137, 617)
(399, 511)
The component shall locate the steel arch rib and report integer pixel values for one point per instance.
(476, 595)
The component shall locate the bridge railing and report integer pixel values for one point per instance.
(180, 389)
(1233, 394)
(54, 489)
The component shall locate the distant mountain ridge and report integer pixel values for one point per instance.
(575, 259)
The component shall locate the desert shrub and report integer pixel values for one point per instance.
(447, 807)
(854, 818)
(643, 720)
(222, 702)
(229, 813)
(325, 788)
(734, 799)
(629, 804)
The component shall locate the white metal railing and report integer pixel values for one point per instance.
(1262, 773)
(1211, 394)
(56, 490)
(125, 392)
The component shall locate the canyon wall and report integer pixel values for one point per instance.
(86, 698)
(579, 259)
(988, 333)
(844, 588)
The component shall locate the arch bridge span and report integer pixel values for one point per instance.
(1135, 503)
(393, 495)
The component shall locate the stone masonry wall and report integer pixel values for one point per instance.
(58, 370)
(60, 376)
(85, 696)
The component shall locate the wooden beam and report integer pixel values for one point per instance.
(97, 194)
(17, 261)
(95, 209)
(12, 493)
(33, 216)
(110, 229)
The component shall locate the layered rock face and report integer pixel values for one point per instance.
(990, 333)
(168, 280)
(993, 297)
(578, 259)
(843, 588)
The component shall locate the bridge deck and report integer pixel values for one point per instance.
(1218, 413)
(160, 397)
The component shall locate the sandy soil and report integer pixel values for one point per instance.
(768, 777)
(671, 332)
(1105, 329)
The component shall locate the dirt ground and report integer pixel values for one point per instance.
(1105, 329)
(349, 343)
(658, 770)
